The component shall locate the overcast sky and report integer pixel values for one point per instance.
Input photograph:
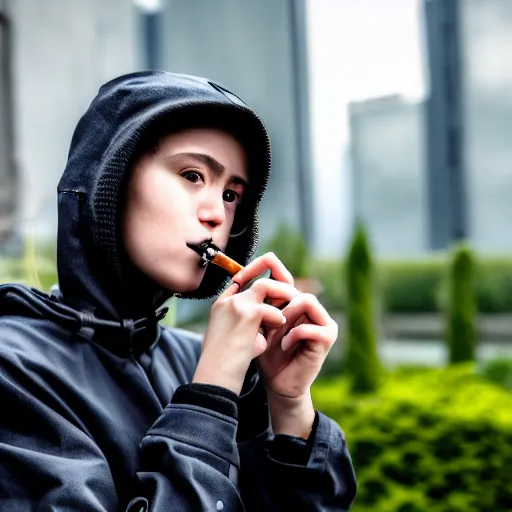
(357, 50)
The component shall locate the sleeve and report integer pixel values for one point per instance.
(281, 473)
(188, 458)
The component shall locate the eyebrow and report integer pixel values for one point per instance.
(214, 165)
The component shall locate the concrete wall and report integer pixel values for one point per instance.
(248, 46)
(7, 181)
(487, 68)
(62, 52)
(388, 165)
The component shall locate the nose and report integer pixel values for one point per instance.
(211, 212)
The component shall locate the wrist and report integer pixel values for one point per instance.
(292, 416)
(204, 374)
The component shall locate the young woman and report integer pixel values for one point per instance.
(106, 410)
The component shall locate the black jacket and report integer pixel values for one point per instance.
(98, 410)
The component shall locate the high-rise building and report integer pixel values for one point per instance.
(486, 56)
(388, 163)
(59, 53)
(446, 191)
(258, 49)
(428, 175)
(469, 119)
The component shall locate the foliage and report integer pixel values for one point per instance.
(36, 268)
(493, 284)
(461, 310)
(411, 286)
(499, 371)
(331, 274)
(430, 440)
(362, 361)
(291, 248)
(419, 286)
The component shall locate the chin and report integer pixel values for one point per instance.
(181, 284)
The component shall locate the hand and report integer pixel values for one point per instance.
(296, 352)
(232, 338)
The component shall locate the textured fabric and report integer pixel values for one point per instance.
(215, 398)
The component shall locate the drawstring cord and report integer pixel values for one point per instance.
(89, 324)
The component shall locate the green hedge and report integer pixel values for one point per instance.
(420, 286)
(411, 286)
(429, 440)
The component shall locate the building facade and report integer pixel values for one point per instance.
(61, 53)
(388, 163)
(428, 175)
(486, 55)
(257, 49)
(8, 183)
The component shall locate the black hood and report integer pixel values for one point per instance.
(94, 273)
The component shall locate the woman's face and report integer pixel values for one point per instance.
(186, 190)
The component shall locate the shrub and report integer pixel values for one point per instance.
(419, 286)
(499, 371)
(331, 275)
(362, 361)
(493, 283)
(291, 248)
(437, 440)
(461, 311)
(411, 286)
(37, 268)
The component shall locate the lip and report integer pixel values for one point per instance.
(208, 241)
(201, 241)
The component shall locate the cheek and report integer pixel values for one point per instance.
(153, 210)
(161, 201)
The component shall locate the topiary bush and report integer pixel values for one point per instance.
(362, 361)
(437, 440)
(461, 310)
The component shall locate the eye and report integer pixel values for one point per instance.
(192, 176)
(230, 196)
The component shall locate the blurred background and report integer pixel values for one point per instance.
(391, 124)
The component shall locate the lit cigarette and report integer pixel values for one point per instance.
(210, 253)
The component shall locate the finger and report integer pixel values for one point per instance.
(231, 290)
(266, 288)
(260, 345)
(306, 304)
(268, 261)
(270, 316)
(321, 337)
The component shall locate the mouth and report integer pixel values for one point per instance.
(202, 249)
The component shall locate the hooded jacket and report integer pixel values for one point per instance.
(99, 410)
